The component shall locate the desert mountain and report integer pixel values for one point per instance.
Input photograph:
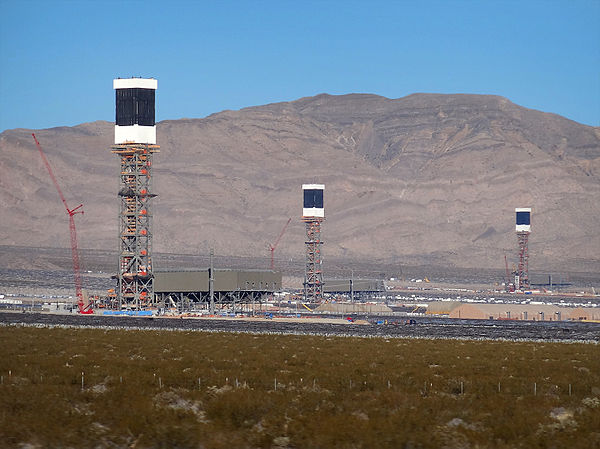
(422, 179)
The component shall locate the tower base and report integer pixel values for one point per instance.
(313, 274)
(135, 279)
(522, 274)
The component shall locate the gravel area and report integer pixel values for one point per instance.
(424, 327)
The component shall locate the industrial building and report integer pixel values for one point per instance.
(355, 308)
(442, 307)
(356, 287)
(526, 312)
(195, 289)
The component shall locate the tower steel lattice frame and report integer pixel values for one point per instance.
(313, 274)
(523, 267)
(135, 279)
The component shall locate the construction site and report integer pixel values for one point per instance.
(143, 288)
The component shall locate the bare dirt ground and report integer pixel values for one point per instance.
(424, 327)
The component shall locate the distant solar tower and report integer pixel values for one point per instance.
(135, 142)
(523, 229)
(313, 214)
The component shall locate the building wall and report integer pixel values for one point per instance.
(181, 281)
(260, 280)
(530, 312)
(354, 308)
(468, 311)
(358, 285)
(585, 313)
(224, 281)
(442, 307)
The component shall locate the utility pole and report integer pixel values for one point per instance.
(211, 283)
(304, 284)
(352, 287)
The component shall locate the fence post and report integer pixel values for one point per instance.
(535, 388)
(569, 389)
(462, 388)
(82, 381)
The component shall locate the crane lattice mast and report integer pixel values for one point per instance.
(83, 308)
(274, 245)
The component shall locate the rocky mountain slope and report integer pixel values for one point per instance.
(423, 179)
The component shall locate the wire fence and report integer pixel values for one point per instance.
(94, 381)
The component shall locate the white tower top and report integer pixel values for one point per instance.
(134, 112)
(313, 200)
(523, 219)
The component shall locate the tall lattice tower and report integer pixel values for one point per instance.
(135, 143)
(313, 215)
(523, 229)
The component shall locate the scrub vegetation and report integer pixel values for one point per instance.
(162, 389)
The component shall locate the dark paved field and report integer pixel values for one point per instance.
(424, 328)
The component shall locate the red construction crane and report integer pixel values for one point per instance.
(274, 245)
(74, 252)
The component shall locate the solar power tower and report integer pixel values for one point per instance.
(313, 214)
(135, 143)
(523, 229)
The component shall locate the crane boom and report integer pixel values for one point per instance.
(74, 251)
(274, 245)
(47, 164)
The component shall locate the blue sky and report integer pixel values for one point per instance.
(58, 58)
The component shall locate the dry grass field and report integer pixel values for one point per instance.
(161, 389)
